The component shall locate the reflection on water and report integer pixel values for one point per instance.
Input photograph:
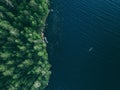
(84, 45)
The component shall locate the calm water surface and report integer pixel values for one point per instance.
(84, 45)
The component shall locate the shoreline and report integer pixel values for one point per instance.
(43, 28)
(45, 24)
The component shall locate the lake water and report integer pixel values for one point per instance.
(84, 45)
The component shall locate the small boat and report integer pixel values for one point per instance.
(45, 39)
(90, 49)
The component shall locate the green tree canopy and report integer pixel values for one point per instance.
(23, 57)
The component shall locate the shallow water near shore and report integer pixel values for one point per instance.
(84, 44)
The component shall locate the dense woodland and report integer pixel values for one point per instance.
(23, 57)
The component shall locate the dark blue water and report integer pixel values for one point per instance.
(84, 45)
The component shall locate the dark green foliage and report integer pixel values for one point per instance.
(23, 57)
